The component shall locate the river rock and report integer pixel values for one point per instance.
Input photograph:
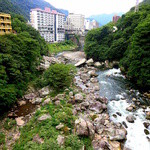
(59, 97)
(81, 62)
(92, 73)
(60, 126)
(37, 101)
(20, 103)
(60, 140)
(94, 80)
(118, 113)
(20, 121)
(37, 139)
(44, 117)
(114, 145)
(44, 91)
(130, 118)
(125, 125)
(146, 124)
(97, 64)
(90, 62)
(70, 94)
(85, 77)
(30, 96)
(107, 63)
(146, 131)
(84, 128)
(46, 102)
(78, 97)
(148, 115)
(130, 108)
(116, 134)
(97, 107)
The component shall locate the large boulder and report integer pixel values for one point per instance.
(81, 62)
(84, 128)
(97, 107)
(116, 134)
(90, 62)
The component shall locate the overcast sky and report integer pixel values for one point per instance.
(94, 7)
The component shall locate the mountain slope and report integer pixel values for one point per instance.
(23, 6)
(104, 18)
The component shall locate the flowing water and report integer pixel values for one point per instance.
(114, 86)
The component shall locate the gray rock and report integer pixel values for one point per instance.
(116, 134)
(44, 117)
(79, 97)
(37, 139)
(44, 91)
(84, 128)
(130, 118)
(60, 140)
(94, 80)
(37, 101)
(97, 64)
(60, 126)
(90, 62)
(30, 96)
(81, 62)
(130, 108)
(46, 102)
(20, 121)
(92, 73)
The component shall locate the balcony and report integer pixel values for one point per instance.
(6, 27)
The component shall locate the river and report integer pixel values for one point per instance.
(114, 86)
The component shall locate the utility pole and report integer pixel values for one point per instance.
(137, 6)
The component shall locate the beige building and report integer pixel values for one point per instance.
(5, 24)
(75, 22)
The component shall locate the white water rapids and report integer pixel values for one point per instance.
(114, 87)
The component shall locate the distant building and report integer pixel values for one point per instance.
(49, 23)
(5, 24)
(89, 25)
(75, 22)
(115, 18)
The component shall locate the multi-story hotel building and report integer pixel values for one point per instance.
(49, 23)
(75, 22)
(5, 24)
(116, 18)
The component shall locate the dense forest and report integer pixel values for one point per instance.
(20, 54)
(129, 44)
(22, 7)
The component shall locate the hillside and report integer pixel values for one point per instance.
(125, 45)
(103, 19)
(23, 7)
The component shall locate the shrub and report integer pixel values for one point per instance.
(59, 76)
(2, 138)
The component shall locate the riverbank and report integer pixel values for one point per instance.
(76, 118)
(56, 48)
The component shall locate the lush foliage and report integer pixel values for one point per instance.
(130, 44)
(59, 47)
(23, 7)
(58, 77)
(20, 54)
(2, 138)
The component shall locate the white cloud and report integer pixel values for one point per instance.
(93, 7)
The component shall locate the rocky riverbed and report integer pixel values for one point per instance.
(94, 119)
